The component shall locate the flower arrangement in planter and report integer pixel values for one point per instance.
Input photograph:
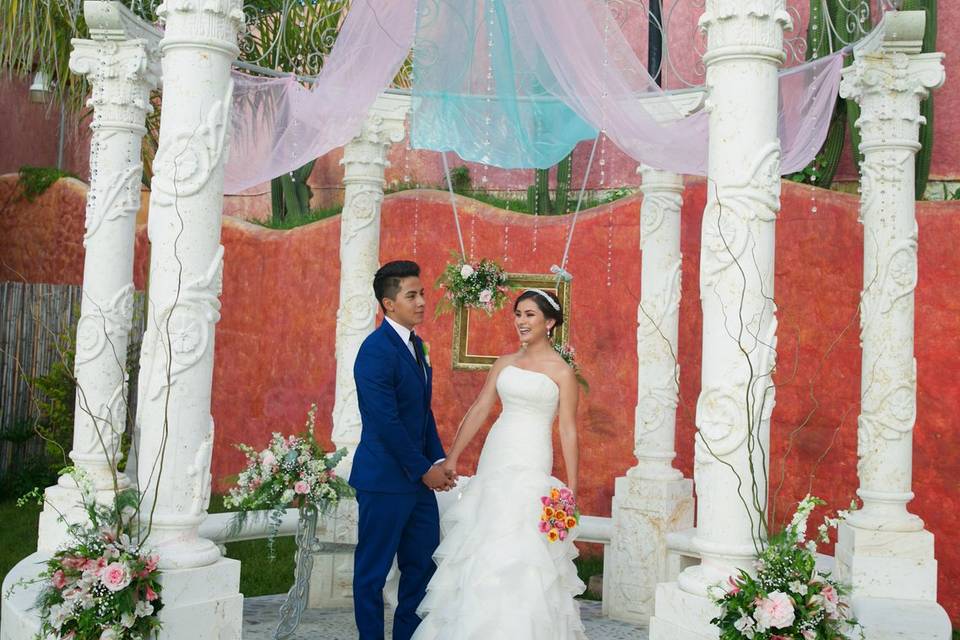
(788, 597)
(474, 285)
(103, 585)
(293, 469)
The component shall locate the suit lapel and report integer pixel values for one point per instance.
(405, 354)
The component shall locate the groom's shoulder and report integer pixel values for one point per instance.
(377, 343)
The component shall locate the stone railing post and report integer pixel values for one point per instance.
(122, 72)
(186, 268)
(883, 549)
(364, 163)
(654, 498)
(744, 53)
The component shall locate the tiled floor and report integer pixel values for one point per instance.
(260, 621)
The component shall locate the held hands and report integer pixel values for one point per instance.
(439, 478)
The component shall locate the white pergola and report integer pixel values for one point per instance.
(658, 565)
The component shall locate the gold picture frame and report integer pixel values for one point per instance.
(464, 360)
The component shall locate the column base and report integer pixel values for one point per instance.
(644, 512)
(63, 505)
(331, 583)
(899, 565)
(680, 615)
(202, 603)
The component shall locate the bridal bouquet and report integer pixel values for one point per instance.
(294, 468)
(102, 585)
(477, 285)
(559, 515)
(788, 597)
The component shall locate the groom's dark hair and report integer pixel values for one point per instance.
(386, 281)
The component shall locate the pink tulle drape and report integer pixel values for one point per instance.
(279, 125)
(580, 57)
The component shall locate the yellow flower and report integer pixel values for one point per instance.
(561, 515)
(571, 522)
(544, 516)
(554, 494)
(553, 535)
(549, 512)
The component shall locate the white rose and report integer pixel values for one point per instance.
(745, 625)
(466, 271)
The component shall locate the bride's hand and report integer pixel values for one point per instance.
(450, 466)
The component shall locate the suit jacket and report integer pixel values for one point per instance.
(399, 441)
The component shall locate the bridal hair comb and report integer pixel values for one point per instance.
(547, 297)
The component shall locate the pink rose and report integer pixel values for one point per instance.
(301, 487)
(485, 296)
(58, 580)
(544, 526)
(74, 563)
(830, 599)
(775, 611)
(566, 494)
(115, 576)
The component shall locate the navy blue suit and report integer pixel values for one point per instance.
(398, 513)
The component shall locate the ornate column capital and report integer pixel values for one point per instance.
(121, 74)
(737, 29)
(889, 87)
(385, 125)
(205, 23)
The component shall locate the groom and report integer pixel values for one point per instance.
(395, 469)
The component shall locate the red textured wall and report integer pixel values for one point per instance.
(274, 348)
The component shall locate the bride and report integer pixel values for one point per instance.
(498, 576)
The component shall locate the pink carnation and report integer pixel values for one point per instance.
(301, 487)
(115, 576)
(775, 611)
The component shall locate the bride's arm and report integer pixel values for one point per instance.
(477, 415)
(569, 396)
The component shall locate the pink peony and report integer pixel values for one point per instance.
(115, 576)
(58, 580)
(775, 611)
(301, 487)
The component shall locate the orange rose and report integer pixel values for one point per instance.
(554, 494)
(549, 512)
(571, 522)
(553, 535)
(561, 515)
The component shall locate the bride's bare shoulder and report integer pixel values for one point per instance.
(505, 360)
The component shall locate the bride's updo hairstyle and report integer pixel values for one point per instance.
(546, 302)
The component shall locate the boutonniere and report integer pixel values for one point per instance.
(426, 353)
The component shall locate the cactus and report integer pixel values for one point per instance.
(290, 194)
(538, 196)
(926, 107)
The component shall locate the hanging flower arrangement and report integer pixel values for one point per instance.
(569, 355)
(475, 285)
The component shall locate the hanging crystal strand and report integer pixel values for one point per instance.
(488, 99)
(536, 220)
(506, 243)
(473, 236)
(610, 246)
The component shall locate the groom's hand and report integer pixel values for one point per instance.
(438, 479)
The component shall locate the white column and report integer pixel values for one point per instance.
(186, 263)
(364, 163)
(883, 549)
(121, 72)
(653, 499)
(743, 56)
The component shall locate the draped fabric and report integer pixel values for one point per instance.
(509, 83)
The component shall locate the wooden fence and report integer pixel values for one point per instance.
(37, 322)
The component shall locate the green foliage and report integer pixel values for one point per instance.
(925, 154)
(36, 180)
(291, 222)
(538, 196)
(54, 395)
(290, 194)
(460, 179)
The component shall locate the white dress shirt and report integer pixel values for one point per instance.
(404, 334)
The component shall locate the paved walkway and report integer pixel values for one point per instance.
(260, 621)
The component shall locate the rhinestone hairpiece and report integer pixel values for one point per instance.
(547, 297)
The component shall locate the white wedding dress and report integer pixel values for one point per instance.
(498, 577)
